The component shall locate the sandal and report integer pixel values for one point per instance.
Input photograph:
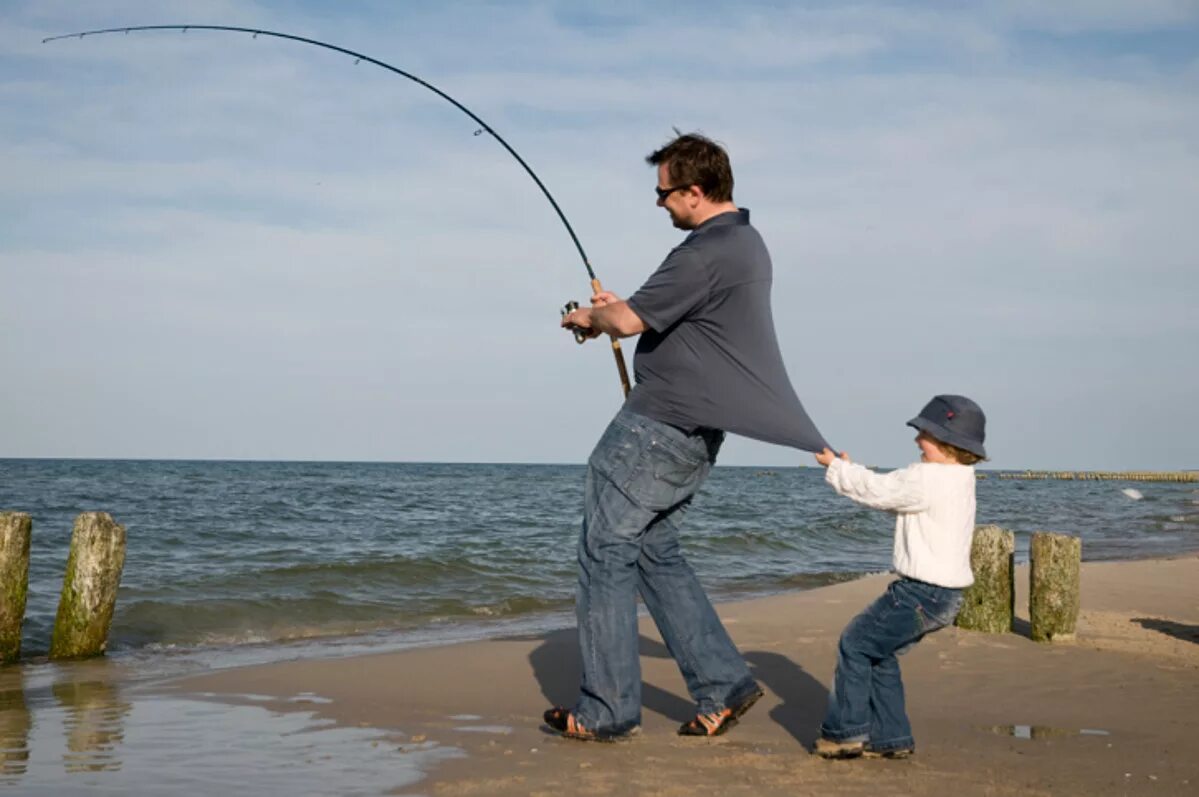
(562, 721)
(719, 722)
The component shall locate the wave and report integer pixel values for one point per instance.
(162, 624)
(791, 582)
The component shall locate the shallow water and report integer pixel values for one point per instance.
(1043, 731)
(82, 730)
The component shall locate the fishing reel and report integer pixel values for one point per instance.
(567, 309)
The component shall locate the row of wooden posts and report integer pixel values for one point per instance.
(1055, 562)
(93, 574)
(1097, 475)
(89, 588)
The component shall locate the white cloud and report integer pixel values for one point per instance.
(225, 247)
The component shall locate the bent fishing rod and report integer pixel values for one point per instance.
(596, 287)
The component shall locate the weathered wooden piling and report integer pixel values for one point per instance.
(89, 588)
(15, 530)
(1055, 563)
(988, 604)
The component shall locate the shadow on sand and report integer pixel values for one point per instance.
(1022, 627)
(802, 697)
(556, 667)
(1187, 633)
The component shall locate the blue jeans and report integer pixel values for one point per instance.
(640, 481)
(866, 703)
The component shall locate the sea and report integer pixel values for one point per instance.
(232, 563)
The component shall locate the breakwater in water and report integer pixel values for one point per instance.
(1105, 476)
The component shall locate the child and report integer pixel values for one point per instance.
(933, 501)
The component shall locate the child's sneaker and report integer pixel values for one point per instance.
(828, 748)
(899, 752)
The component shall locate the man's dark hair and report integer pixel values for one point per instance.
(694, 159)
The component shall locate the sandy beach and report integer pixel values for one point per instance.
(1115, 711)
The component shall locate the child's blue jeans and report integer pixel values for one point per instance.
(866, 703)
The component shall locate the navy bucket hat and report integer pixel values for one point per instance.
(955, 420)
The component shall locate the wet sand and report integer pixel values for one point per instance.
(1114, 712)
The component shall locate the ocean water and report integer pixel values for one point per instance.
(279, 559)
(233, 563)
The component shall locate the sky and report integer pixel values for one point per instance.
(220, 247)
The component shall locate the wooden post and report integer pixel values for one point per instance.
(89, 588)
(15, 530)
(988, 604)
(1053, 593)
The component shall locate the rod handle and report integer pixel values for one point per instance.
(616, 350)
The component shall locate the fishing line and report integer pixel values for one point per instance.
(358, 58)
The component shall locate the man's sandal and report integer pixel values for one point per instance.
(562, 721)
(719, 722)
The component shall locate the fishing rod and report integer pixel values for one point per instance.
(596, 287)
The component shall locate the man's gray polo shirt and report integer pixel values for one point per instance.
(710, 358)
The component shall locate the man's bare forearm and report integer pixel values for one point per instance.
(617, 319)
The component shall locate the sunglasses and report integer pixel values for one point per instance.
(665, 192)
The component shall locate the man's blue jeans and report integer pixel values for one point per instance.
(640, 481)
(866, 703)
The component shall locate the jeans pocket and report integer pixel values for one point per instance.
(665, 475)
(617, 451)
(937, 614)
(949, 611)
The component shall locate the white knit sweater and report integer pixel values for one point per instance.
(934, 508)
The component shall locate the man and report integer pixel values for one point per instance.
(707, 362)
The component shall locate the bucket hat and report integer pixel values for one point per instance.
(955, 420)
